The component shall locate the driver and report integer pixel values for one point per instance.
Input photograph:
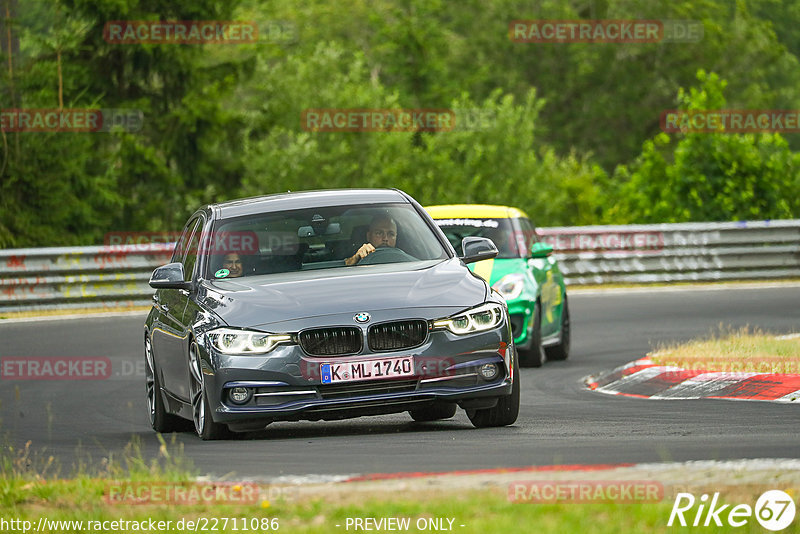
(382, 232)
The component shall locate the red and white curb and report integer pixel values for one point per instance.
(644, 379)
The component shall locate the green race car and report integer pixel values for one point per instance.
(524, 273)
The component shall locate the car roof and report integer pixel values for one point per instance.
(306, 199)
(474, 211)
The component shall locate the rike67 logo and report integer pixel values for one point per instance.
(774, 510)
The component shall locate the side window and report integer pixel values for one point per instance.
(529, 237)
(180, 247)
(192, 250)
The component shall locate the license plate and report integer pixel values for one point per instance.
(366, 370)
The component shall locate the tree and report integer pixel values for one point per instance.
(497, 159)
(708, 176)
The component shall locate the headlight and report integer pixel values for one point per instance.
(510, 286)
(230, 341)
(482, 318)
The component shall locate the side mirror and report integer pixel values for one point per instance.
(169, 276)
(477, 249)
(541, 250)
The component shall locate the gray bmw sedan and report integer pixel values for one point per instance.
(324, 305)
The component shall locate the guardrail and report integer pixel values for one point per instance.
(747, 250)
(114, 277)
(104, 277)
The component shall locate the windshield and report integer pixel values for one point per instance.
(320, 238)
(498, 230)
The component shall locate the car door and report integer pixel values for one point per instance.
(542, 269)
(166, 332)
(170, 340)
(192, 265)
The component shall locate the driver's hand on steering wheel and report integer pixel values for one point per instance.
(365, 250)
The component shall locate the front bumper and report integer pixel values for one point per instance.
(285, 385)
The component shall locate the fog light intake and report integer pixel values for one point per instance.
(489, 371)
(239, 395)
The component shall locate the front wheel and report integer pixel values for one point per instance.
(561, 351)
(204, 425)
(161, 420)
(506, 410)
(534, 355)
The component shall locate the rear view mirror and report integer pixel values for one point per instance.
(477, 249)
(308, 231)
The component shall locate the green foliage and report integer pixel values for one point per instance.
(711, 177)
(224, 121)
(72, 188)
(500, 161)
(602, 99)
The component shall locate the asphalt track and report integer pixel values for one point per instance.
(560, 422)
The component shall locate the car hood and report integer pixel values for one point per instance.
(263, 300)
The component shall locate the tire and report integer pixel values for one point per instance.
(204, 425)
(561, 351)
(434, 412)
(506, 410)
(534, 356)
(161, 420)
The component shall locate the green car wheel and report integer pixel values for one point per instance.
(561, 350)
(534, 355)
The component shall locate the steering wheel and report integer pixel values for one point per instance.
(387, 255)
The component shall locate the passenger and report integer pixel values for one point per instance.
(233, 262)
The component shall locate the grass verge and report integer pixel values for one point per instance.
(470, 511)
(734, 351)
(100, 310)
(29, 492)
